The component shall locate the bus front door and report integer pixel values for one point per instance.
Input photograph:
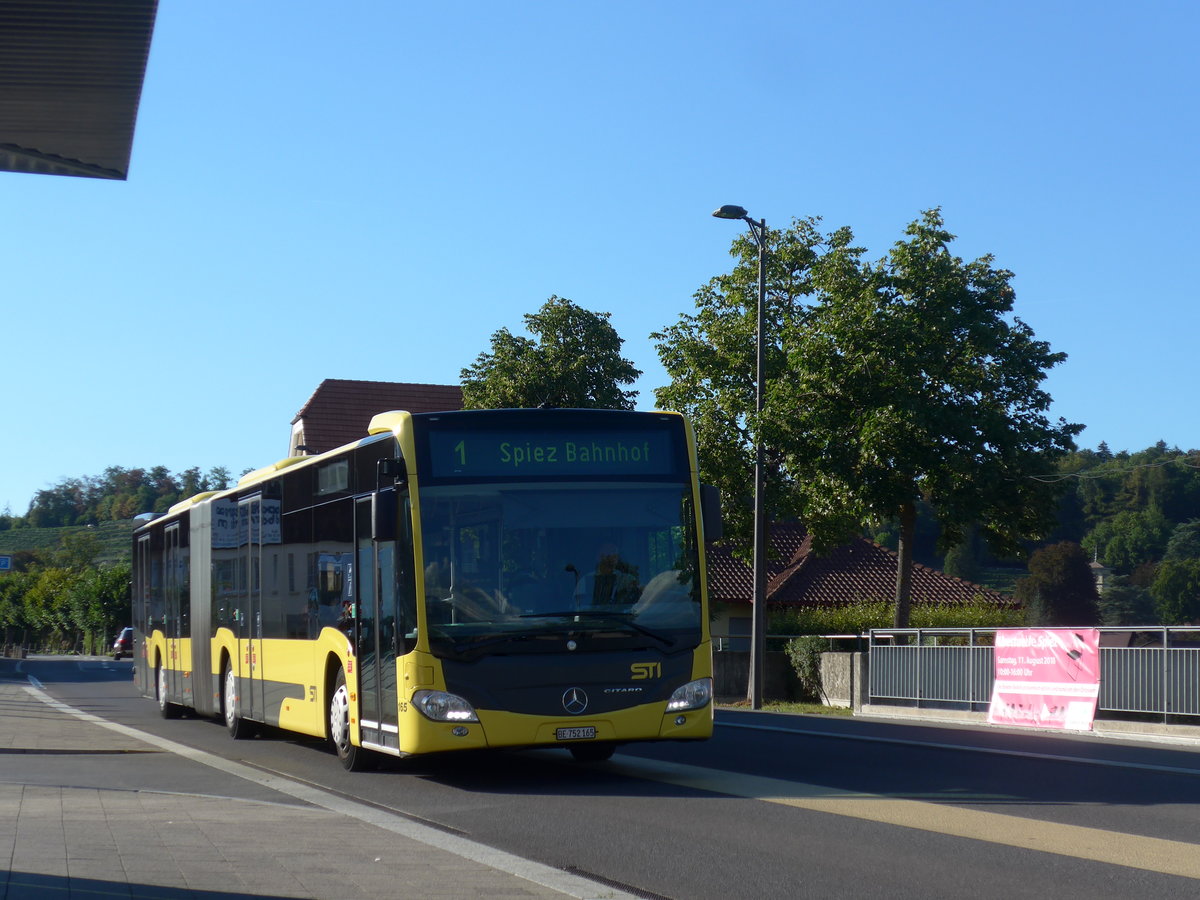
(375, 584)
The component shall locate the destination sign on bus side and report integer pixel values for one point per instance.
(490, 454)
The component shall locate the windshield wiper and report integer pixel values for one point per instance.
(625, 618)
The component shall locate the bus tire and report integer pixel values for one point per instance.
(352, 758)
(166, 708)
(239, 728)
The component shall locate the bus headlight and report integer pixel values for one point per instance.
(443, 707)
(693, 695)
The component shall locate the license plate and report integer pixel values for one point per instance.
(576, 734)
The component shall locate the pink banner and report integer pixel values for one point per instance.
(1046, 678)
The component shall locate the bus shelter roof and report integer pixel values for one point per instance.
(71, 74)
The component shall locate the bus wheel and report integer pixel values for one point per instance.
(593, 752)
(166, 709)
(353, 759)
(239, 728)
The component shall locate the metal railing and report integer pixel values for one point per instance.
(733, 643)
(1142, 670)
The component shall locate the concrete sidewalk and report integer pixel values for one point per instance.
(71, 826)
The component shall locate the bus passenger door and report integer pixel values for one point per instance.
(173, 626)
(253, 705)
(388, 619)
(375, 583)
(143, 617)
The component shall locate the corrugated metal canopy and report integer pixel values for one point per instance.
(71, 76)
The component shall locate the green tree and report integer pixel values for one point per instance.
(710, 358)
(573, 359)
(191, 482)
(100, 604)
(76, 551)
(13, 608)
(1060, 589)
(926, 538)
(48, 603)
(962, 560)
(1176, 591)
(57, 506)
(217, 479)
(1184, 542)
(1159, 477)
(1127, 604)
(1163, 478)
(901, 380)
(62, 599)
(1129, 539)
(118, 493)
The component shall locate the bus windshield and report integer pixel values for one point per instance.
(523, 568)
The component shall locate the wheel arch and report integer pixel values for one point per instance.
(333, 664)
(224, 660)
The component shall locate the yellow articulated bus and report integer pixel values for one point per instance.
(459, 580)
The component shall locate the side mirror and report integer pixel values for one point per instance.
(383, 516)
(710, 512)
(389, 471)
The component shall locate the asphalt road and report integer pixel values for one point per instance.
(791, 806)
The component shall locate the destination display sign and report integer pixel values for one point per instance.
(531, 453)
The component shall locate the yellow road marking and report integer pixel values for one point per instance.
(1096, 844)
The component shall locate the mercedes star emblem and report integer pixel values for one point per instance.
(575, 701)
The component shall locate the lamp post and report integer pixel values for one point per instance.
(758, 621)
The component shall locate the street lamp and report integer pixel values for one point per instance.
(758, 621)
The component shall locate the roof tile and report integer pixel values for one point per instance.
(858, 570)
(340, 410)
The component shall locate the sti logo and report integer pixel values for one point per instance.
(642, 671)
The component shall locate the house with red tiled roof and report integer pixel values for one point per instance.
(797, 576)
(340, 410)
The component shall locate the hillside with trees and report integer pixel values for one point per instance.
(1136, 514)
(65, 599)
(67, 589)
(114, 495)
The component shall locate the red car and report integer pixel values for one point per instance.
(123, 645)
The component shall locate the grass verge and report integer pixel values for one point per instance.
(794, 707)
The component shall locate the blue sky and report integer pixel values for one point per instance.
(369, 190)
